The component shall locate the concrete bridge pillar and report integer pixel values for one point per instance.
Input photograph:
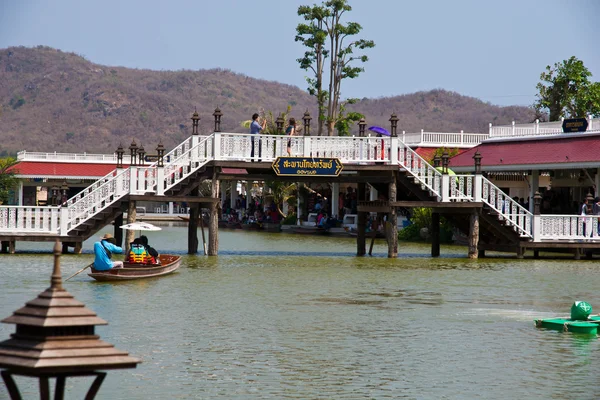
(435, 234)
(361, 223)
(213, 223)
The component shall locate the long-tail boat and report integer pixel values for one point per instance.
(130, 271)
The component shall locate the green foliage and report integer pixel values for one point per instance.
(290, 219)
(8, 181)
(326, 37)
(421, 218)
(69, 135)
(16, 102)
(283, 193)
(440, 151)
(566, 91)
(346, 120)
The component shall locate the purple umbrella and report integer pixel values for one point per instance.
(380, 130)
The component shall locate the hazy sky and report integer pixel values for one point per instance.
(492, 50)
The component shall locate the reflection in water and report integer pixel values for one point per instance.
(282, 316)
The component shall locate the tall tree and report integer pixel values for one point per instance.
(565, 90)
(324, 29)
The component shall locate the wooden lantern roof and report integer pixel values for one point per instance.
(55, 334)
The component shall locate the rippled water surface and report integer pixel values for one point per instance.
(288, 316)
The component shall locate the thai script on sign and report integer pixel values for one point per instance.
(308, 164)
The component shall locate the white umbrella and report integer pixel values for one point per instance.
(140, 226)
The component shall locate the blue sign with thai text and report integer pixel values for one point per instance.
(307, 166)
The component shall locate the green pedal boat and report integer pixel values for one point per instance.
(580, 322)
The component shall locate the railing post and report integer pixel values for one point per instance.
(403, 136)
(160, 181)
(217, 145)
(537, 222)
(394, 142)
(445, 177)
(490, 132)
(590, 122)
(307, 146)
(64, 220)
(133, 185)
(462, 137)
(478, 184)
(421, 142)
(537, 126)
(513, 128)
(54, 219)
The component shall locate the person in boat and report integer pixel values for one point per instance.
(103, 251)
(141, 252)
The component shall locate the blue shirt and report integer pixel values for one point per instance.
(255, 127)
(102, 262)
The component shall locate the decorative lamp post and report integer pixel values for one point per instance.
(160, 151)
(55, 338)
(133, 152)
(195, 119)
(394, 122)
(537, 203)
(306, 118)
(361, 127)
(436, 161)
(477, 157)
(445, 161)
(590, 203)
(120, 153)
(217, 114)
(64, 191)
(279, 122)
(54, 195)
(141, 153)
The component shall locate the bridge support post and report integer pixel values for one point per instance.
(435, 234)
(118, 232)
(361, 223)
(8, 246)
(474, 235)
(520, 252)
(131, 217)
(392, 232)
(193, 225)
(78, 246)
(213, 223)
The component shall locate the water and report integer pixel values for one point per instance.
(279, 316)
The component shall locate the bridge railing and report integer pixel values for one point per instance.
(443, 139)
(29, 219)
(568, 227)
(536, 128)
(462, 187)
(237, 146)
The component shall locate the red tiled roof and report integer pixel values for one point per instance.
(551, 151)
(31, 169)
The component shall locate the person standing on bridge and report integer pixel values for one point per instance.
(103, 251)
(290, 131)
(255, 128)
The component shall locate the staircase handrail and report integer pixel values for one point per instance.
(189, 161)
(95, 198)
(509, 210)
(416, 165)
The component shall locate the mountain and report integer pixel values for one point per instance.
(56, 101)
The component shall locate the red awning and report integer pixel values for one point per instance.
(57, 170)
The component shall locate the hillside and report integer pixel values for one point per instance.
(56, 101)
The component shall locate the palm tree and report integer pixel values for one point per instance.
(282, 192)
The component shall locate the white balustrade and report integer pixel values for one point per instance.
(414, 164)
(462, 187)
(29, 219)
(569, 227)
(537, 129)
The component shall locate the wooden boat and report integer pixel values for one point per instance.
(252, 226)
(310, 230)
(271, 227)
(168, 264)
